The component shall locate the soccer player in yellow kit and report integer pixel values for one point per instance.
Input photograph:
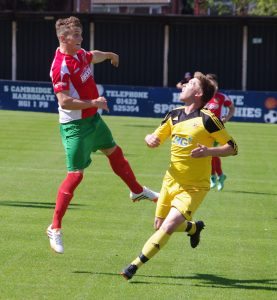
(193, 130)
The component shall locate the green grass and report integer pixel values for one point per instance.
(104, 230)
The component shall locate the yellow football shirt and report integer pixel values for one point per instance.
(186, 131)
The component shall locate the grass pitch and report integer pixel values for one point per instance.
(104, 230)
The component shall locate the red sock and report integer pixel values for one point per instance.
(121, 167)
(217, 163)
(213, 166)
(65, 194)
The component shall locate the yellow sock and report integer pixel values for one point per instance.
(182, 227)
(151, 247)
(137, 261)
(155, 243)
(187, 226)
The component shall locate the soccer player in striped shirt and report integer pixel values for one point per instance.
(192, 130)
(83, 131)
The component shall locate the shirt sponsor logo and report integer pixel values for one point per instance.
(86, 74)
(181, 141)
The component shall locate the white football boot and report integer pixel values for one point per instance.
(55, 238)
(146, 194)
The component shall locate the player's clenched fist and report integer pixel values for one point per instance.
(152, 140)
(101, 102)
(114, 59)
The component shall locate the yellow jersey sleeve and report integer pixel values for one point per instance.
(164, 130)
(217, 130)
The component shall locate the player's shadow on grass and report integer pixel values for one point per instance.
(249, 192)
(29, 204)
(201, 280)
(222, 282)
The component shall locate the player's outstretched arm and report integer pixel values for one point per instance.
(203, 151)
(231, 111)
(100, 56)
(68, 102)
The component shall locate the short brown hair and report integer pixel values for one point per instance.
(207, 85)
(212, 76)
(63, 26)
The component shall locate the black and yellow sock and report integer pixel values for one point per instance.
(141, 259)
(187, 226)
(152, 247)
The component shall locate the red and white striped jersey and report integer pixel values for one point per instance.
(73, 74)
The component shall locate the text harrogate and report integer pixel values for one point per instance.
(39, 97)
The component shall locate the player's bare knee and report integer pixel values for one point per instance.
(168, 226)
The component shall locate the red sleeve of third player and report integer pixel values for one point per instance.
(227, 101)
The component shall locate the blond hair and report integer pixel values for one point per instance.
(64, 26)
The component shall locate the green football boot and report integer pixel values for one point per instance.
(220, 183)
(212, 181)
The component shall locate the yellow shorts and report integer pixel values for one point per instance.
(185, 198)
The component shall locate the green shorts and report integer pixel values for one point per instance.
(82, 137)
